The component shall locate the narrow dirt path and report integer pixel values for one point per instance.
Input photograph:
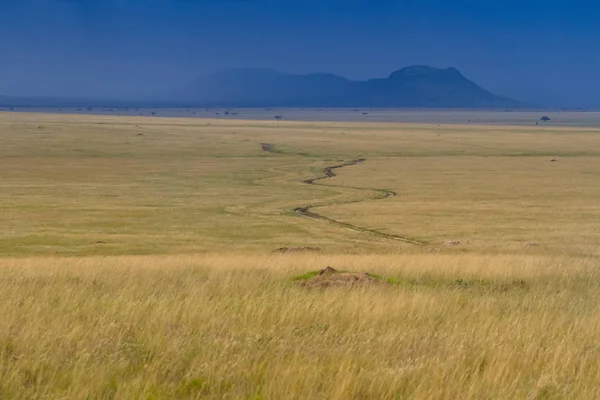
(329, 172)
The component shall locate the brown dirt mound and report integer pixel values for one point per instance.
(330, 277)
(295, 249)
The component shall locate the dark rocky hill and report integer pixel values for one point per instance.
(410, 87)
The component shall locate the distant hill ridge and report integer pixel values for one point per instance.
(411, 87)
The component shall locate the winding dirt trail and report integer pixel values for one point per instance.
(329, 172)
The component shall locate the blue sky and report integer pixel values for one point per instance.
(543, 52)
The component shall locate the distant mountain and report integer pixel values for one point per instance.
(410, 87)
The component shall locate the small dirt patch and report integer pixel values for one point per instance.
(331, 277)
(268, 147)
(452, 243)
(296, 249)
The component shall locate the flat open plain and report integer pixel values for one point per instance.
(142, 258)
(564, 118)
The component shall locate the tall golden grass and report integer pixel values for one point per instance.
(237, 326)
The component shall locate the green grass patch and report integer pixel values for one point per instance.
(305, 277)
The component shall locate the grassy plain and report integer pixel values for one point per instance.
(136, 260)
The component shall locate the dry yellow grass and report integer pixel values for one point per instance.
(226, 326)
(185, 298)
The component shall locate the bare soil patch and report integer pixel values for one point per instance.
(331, 277)
(296, 249)
(451, 243)
(268, 147)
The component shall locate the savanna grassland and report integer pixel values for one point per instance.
(137, 260)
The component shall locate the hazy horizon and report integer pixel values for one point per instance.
(540, 53)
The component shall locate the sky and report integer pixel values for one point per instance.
(544, 53)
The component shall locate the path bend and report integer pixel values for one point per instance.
(329, 172)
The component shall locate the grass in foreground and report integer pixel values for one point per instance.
(238, 327)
